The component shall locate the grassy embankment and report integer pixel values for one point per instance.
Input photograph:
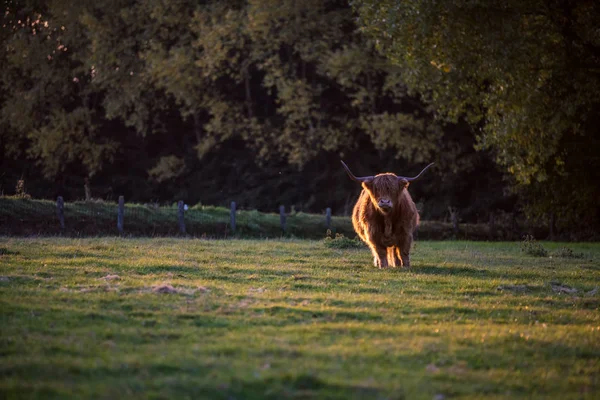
(24, 217)
(248, 319)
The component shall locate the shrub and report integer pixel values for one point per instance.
(341, 242)
(20, 191)
(530, 246)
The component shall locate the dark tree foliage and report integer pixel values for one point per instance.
(526, 72)
(254, 101)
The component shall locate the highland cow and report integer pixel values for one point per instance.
(385, 217)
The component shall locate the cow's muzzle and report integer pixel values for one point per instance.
(385, 205)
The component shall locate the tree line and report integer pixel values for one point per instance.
(257, 101)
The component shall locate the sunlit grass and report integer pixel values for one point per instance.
(82, 318)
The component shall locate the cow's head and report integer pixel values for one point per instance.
(384, 189)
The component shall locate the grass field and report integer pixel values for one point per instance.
(251, 319)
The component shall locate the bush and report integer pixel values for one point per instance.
(341, 242)
(20, 192)
(530, 246)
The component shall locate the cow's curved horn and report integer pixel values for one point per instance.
(355, 178)
(415, 177)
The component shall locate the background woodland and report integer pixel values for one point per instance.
(257, 101)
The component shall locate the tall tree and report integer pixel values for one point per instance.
(204, 100)
(48, 109)
(526, 73)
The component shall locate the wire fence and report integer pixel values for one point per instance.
(85, 218)
(24, 217)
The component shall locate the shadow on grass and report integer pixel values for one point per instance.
(514, 351)
(297, 386)
(7, 252)
(291, 314)
(84, 254)
(158, 269)
(476, 273)
(217, 379)
(180, 382)
(458, 271)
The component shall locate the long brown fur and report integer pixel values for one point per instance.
(388, 235)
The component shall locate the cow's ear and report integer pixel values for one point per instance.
(403, 183)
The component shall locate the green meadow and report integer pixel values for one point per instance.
(169, 318)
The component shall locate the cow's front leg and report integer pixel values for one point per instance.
(379, 251)
(394, 256)
(382, 254)
(379, 256)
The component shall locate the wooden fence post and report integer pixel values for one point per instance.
(60, 211)
(121, 214)
(282, 217)
(232, 217)
(87, 189)
(328, 217)
(180, 214)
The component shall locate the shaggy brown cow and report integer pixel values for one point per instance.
(385, 217)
